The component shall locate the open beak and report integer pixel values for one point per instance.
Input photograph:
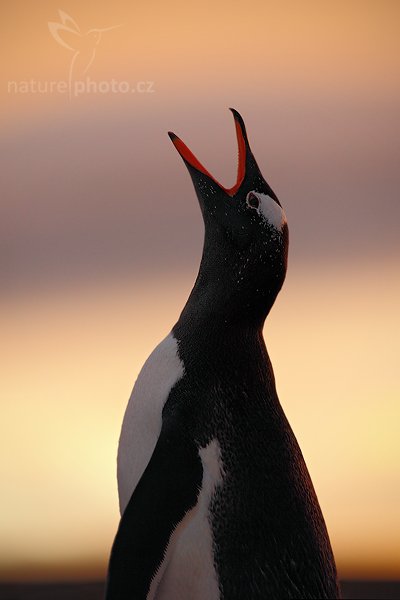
(243, 155)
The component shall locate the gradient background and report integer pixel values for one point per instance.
(101, 237)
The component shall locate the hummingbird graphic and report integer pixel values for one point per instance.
(68, 34)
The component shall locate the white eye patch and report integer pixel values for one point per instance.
(267, 208)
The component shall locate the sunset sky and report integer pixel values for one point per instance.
(101, 236)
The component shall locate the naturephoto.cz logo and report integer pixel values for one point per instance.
(82, 47)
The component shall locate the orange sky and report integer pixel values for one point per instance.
(99, 221)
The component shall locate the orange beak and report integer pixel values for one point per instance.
(192, 161)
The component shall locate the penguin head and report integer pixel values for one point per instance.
(246, 233)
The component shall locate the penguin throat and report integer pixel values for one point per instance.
(214, 302)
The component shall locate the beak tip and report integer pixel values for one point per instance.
(172, 135)
(236, 115)
(240, 124)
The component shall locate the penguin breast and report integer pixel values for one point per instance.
(188, 568)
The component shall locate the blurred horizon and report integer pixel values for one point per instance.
(101, 238)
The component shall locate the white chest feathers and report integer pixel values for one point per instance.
(188, 569)
(142, 421)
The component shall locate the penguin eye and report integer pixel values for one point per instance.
(252, 200)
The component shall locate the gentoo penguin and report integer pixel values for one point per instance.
(215, 497)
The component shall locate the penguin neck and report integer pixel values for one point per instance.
(212, 304)
(210, 338)
(215, 328)
(221, 299)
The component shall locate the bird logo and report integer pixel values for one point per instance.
(68, 34)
